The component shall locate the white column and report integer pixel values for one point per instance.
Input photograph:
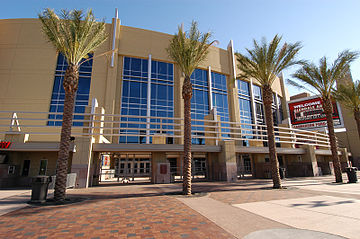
(114, 38)
(252, 102)
(277, 108)
(148, 110)
(231, 46)
(211, 105)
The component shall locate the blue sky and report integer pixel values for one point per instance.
(325, 27)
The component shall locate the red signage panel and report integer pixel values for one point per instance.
(5, 145)
(309, 113)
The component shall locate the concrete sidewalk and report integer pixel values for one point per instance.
(236, 221)
(308, 204)
(247, 208)
(11, 200)
(335, 215)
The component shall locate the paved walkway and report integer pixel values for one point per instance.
(247, 209)
(139, 211)
(11, 200)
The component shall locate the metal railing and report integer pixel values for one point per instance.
(117, 125)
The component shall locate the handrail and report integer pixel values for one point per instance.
(99, 124)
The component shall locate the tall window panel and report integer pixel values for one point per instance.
(134, 99)
(199, 102)
(245, 109)
(259, 108)
(58, 94)
(162, 95)
(280, 108)
(220, 99)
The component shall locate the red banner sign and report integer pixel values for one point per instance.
(309, 113)
(5, 145)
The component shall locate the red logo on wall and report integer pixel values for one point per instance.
(5, 145)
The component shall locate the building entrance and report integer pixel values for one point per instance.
(125, 168)
(244, 167)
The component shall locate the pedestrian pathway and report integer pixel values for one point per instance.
(246, 209)
(234, 220)
(335, 215)
(11, 200)
(139, 211)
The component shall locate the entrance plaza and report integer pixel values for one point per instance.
(307, 208)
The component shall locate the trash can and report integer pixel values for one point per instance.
(39, 189)
(351, 173)
(282, 172)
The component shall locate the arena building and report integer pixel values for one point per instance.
(128, 121)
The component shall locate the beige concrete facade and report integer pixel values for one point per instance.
(27, 66)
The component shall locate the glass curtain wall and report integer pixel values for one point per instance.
(134, 97)
(245, 110)
(220, 99)
(199, 103)
(162, 97)
(58, 93)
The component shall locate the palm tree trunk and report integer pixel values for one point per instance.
(268, 99)
(187, 94)
(357, 119)
(70, 84)
(328, 109)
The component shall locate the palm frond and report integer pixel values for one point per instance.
(73, 33)
(323, 77)
(348, 95)
(299, 86)
(264, 62)
(189, 49)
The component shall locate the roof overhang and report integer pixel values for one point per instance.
(153, 148)
(35, 147)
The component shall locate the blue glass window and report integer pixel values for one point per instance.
(243, 87)
(220, 99)
(162, 99)
(257, 92)
(199, 102)
(58, 93)
(134, 97)
(245, 110)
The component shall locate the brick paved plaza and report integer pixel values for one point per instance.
(144, 211)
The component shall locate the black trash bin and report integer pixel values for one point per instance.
(39, 189)
(282, 172)
(351, 173)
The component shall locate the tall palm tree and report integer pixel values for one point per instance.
(264, 63)
(349, 95)
(188, 50)
(75, 35)
(322, 78)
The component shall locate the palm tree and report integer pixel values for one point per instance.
(188, 50)
(349, 95)
(75, 35)
(264, 63)
(322, 78)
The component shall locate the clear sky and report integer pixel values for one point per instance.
(325, 27)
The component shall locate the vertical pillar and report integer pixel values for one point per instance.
(285, 98)
(81, 160)
(234, 111)
(158, 174)
(227, 161)
(111, 102)
(310, 157)
(214, 127)
(148, 109)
